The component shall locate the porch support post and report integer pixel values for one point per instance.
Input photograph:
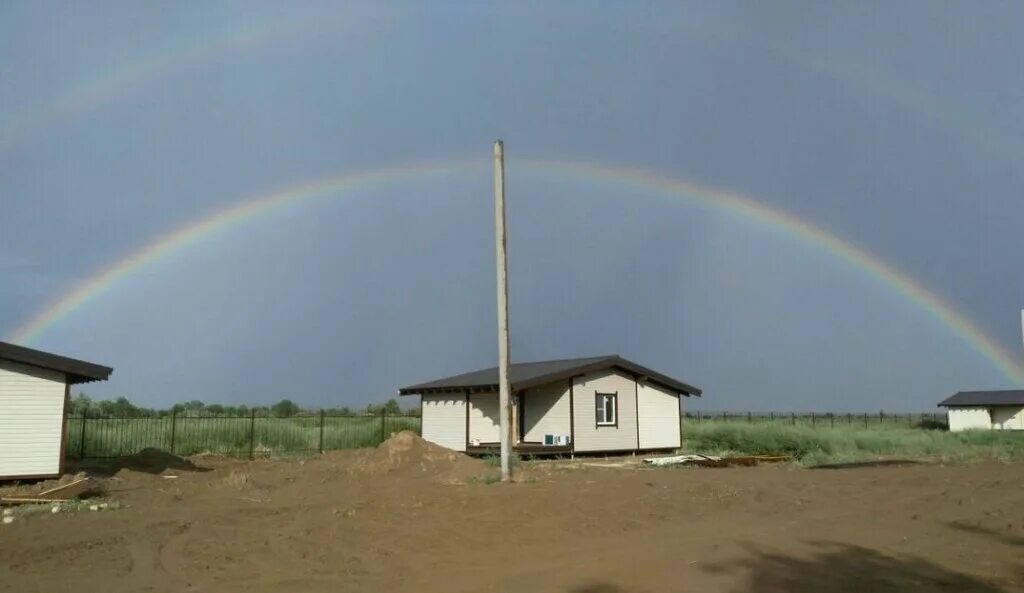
(572, 421)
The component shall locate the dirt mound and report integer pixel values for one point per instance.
(405, 452)
(155, 461)
(40, 486)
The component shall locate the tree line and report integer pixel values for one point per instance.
(286, 408)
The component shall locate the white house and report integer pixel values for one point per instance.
(34, 403)
(599, 404)
(989, 410)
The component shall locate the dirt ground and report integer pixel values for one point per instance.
(412, 517)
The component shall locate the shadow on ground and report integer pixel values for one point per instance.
(842, 568)
(1003, 538)
(149, 460)
(859, 464)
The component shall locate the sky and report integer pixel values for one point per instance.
(240, 202)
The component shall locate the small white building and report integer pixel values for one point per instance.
(34, 403)
(599, 404)
(987, 410)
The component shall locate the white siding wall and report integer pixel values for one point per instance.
(968, 418)
(658, 417)
(31, 420)
(1008, 417)
(547, 411)
(590, 437)
(483, 418)
(444, 420)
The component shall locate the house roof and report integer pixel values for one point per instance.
(1008, 397)
(77, 371)
(524, 375)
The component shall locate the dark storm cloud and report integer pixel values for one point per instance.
(896, 128)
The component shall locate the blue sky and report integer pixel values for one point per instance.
(896, 127)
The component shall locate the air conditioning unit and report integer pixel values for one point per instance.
(550, 439)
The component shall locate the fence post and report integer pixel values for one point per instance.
(81, 443)
(750, 418)
(849, 419)
(813, 423)
(865, 419)
(793, 414)
(321, 431)
(252, 434)
(832, 419)
(772, 416)
(383, 413)
(698, 417)
(174, 423)
(881, 417)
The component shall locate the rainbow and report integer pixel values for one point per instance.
(635, 179)
(126, 80)
(135, 77)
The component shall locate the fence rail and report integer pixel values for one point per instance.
(821, 419)
(250, 436)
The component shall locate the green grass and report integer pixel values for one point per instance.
(107, 437)
(281, 436)
(485, 479)
(494, 461)
(813, 446)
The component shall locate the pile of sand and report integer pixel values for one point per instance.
(405, 452)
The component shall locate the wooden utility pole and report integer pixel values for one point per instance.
(504, 398)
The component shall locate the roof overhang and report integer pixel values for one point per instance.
(643, 374)
(975, 399)
(76, 371)
(438, 390)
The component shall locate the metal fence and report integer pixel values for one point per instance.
(258, 435)
(250, 436)
(822, 419)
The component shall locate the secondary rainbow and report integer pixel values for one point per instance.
(136, 76)
(647, 181)
(132, 77)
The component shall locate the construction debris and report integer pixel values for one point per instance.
(712, 461)
(678, 460)
(62, 493)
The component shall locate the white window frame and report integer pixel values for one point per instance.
(609, 401)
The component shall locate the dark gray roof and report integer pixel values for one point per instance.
(1008, 397)
(77, 371)
(524, 375)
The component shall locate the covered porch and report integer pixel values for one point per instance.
(541, 422)
(532, 449)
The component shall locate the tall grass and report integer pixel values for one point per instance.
(850, 443)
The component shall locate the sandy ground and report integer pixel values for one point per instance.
(410, 517)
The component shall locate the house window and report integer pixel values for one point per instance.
(607, 408)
